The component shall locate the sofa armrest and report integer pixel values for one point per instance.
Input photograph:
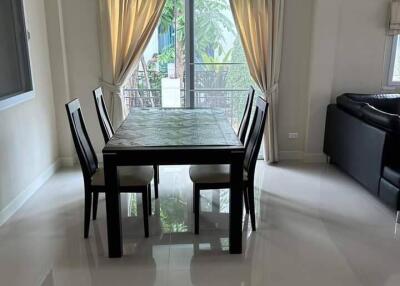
(387, 121)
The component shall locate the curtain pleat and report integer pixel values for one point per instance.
(260, 25)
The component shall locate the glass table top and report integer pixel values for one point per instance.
(174, 127)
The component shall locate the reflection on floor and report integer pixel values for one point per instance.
(316, 226)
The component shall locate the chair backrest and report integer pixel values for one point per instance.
(254, 139)
(105, 122)
(84, 148)
(244, 124)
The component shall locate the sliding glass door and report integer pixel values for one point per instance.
(194, 60)
(221, 76)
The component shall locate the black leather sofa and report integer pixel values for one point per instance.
(362, 136)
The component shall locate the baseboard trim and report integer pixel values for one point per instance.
(315, 158)
(302, 156)
(28, 192)
(291, 155)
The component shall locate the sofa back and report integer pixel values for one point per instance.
(380, 110)
(388, 103)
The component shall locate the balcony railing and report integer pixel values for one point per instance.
(211, 89)
(232, 101)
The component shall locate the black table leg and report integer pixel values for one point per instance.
(236, 203)
(113, 207)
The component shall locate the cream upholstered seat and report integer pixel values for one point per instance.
(129, 176)
(213, 174)
(132, 179)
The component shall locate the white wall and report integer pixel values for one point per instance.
(74, 50)
(84, 68)
(330, 47)
(28, 138)
(294, 74)
(360, 51)
(60, 76)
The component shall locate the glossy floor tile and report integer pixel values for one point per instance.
(316, 226)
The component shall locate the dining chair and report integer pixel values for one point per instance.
(135, 179)
(206, 177)
(244, 123)
(108, 130)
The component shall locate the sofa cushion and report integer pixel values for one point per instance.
(389, 122)
(350, 105)
(389, 194)
(389, 103)
(392, 175)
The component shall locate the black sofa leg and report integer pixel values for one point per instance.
(398, 217)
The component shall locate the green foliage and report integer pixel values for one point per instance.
(238, 76)
(167, 56)
(205, 58)
(211, 24)
(174, 10)
(172, 214)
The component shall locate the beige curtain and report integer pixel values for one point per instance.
(260, 25)
(127, 27)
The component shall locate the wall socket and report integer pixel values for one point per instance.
(293, 135)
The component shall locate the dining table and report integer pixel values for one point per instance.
(173, 136)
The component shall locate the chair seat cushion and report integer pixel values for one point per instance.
(211, 174)
(392, 175)
(128, 176)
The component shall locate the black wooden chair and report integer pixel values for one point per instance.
(242, 131)
(206, 177)
(135, 179)
(108, 130)
(244, 123)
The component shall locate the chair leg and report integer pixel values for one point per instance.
(246, 200)
(156, 180)
(88, 206)
(95, 203)
(398, 217)
(149, 198)
(194, 197)
(145, 205)
(250, 193)
(196, 191)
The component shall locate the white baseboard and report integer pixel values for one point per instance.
(315, 158)
(22, 197)
(302, 156)
(291, 155)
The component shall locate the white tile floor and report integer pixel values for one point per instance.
(316, 226)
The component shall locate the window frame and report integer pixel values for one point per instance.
(393, 53)
(13, 99)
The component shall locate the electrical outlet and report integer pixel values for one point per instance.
(294, 135)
